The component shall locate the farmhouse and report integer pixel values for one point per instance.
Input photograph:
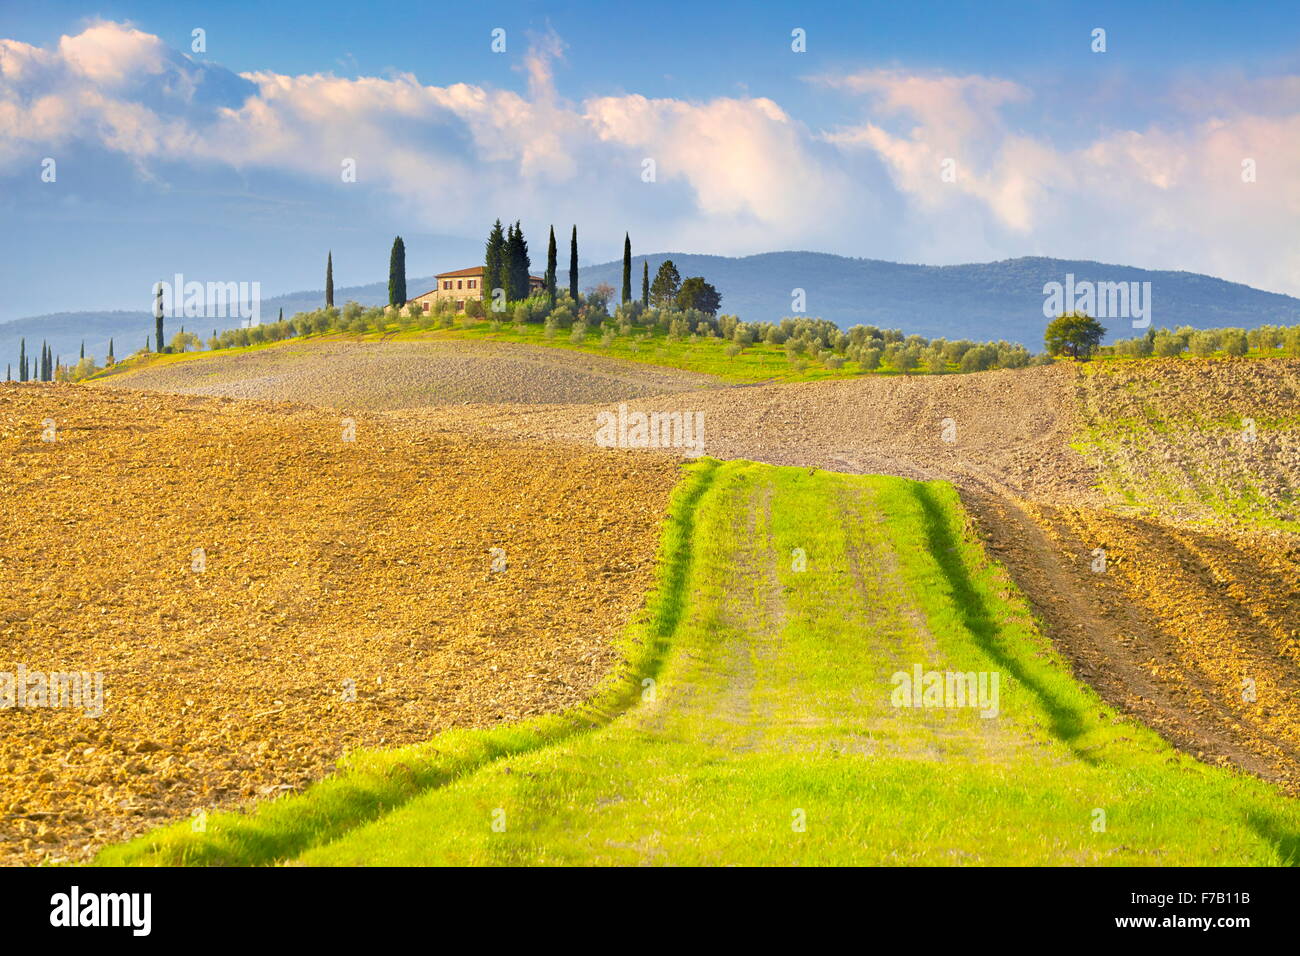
(461, 286)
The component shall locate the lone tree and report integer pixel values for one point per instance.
(397, 274)
(550, 268)
(329, 280)
(494, 263)
(158, 318)
(573, 266)
(645, 282)
(1075, 333)
(695, 293)
(627, 268)
(663, 291)
(110, 351)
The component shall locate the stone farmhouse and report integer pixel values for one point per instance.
(461, 286)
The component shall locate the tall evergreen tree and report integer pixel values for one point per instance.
(550, 268)
(573, 266)
(519, 263)
(627, 268)
(667, 281)
(45, 361)
(83, 348)
(645, 282)
(158, 318)
(110, 350)
(494, 264)
(329, 280)
(280, 319)
(22, 359)
(397, 274)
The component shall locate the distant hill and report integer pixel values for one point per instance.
(992, 300)
(65, 330)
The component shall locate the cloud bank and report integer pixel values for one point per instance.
(922, 166)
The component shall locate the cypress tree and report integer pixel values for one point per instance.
(494, 263)
(397, 274)
(517, 257)
(158, 318)
(83, 349)
(22, 359)
(550, 268)
(280, 319)
(508, 269)
(110, 350)
(627, 268)
(573, 266)
(329, 280)
(645, 282)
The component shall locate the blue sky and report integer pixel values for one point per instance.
(224, 164)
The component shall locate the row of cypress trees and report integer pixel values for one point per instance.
(41, 369)
(506, 266)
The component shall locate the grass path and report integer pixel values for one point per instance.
(755, 723)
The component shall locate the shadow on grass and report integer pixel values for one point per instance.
(1067, 720)
(1285, 841)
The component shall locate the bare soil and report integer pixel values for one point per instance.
(347, 596)
(384, 375)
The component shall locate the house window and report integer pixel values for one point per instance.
(473, 283)
(446, 284)
(460, 284)
(460, 305)
(426, 306)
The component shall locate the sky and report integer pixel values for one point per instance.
(918, 132)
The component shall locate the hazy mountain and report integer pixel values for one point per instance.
(993, 300)
(65, 330)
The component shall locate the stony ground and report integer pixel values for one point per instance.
(347, 595)
(386, 375)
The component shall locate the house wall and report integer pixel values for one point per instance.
(461, 290)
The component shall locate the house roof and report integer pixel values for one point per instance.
(473, 273)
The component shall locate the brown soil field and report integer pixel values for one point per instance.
(347, 595)
(377, 376)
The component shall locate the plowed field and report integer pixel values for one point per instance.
(345, 595)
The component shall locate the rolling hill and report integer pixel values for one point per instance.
(992, 300)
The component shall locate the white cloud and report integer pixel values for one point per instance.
(735, 174)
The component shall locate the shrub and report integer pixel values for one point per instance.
(1235, 343)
